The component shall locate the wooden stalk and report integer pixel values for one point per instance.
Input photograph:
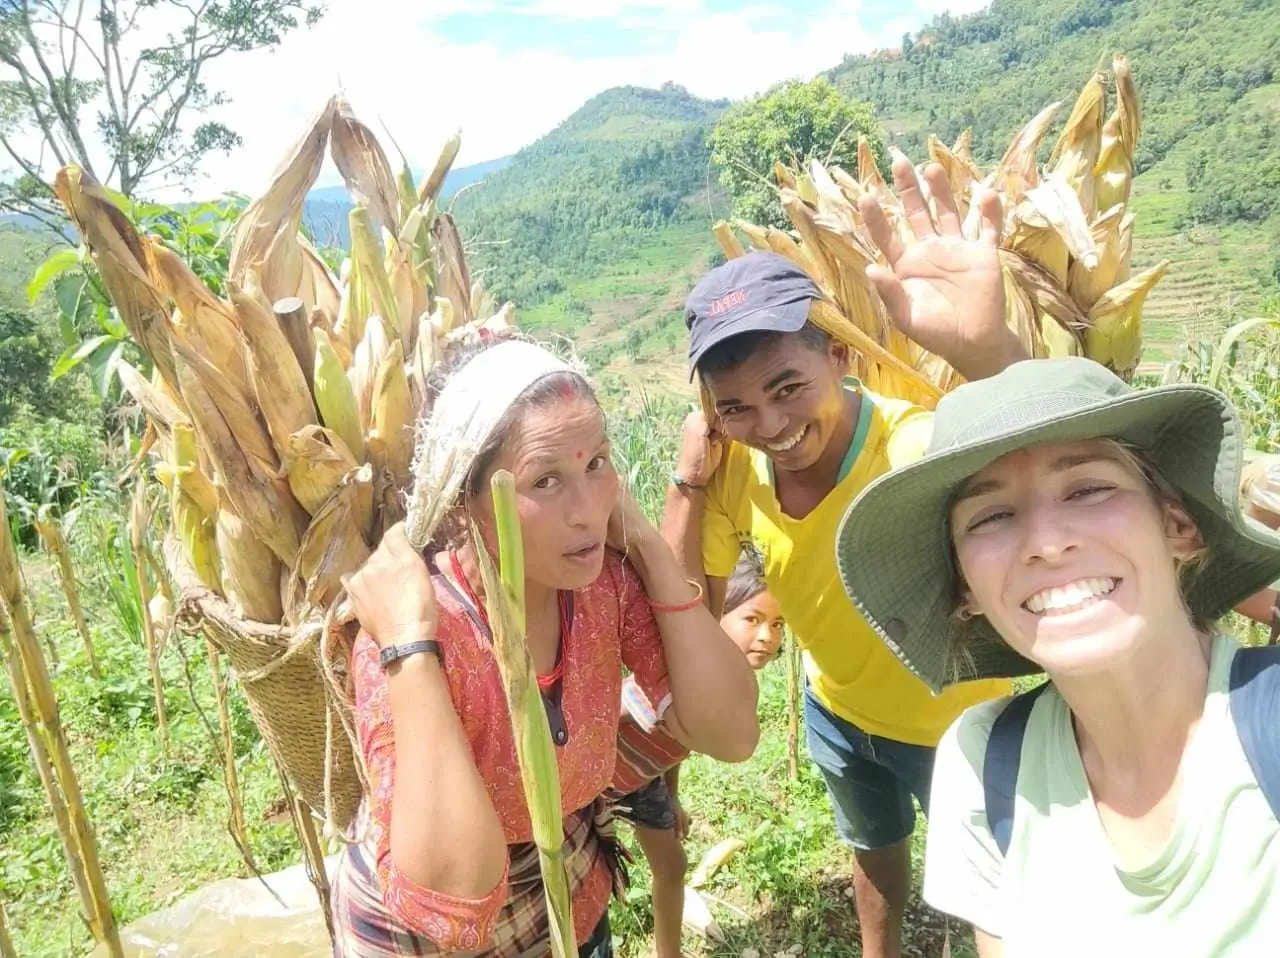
(50, 531)
(139, 521)
(505, 602)
(38, 708)
(794, 668)
(292, 315)
(6, 943)
(39, 754)
(239, 829)
(312, 852)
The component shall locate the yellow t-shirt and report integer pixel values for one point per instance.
(852, 672)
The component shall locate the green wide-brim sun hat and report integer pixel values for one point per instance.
(894, 550)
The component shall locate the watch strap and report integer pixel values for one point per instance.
(680, 482)
(394, 653)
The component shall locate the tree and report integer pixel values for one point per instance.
(89, 85)
(792, 123)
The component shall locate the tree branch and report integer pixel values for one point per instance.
(28, 168)
(51, 219)
(32, 102)
(62, 99)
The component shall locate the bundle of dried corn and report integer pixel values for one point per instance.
(1066, 242)
(284, 413)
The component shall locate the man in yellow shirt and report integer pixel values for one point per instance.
(792, 444)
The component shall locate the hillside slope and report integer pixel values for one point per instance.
(598, 230)
(1208, 72)
(587, 196)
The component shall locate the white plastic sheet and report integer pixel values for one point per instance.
(235, 918)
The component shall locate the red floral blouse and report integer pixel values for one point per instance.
(613, 626)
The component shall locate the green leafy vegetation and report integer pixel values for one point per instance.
(588, 196)
(160, 820)
(793, 123)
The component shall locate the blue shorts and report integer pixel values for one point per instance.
(870, 779)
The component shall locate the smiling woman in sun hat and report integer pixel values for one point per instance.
(1062, 522)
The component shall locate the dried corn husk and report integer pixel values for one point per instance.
(1114, 172)
(364, 167)
(118, 254)
(266, 237)
(316, 463)
(279, 384)
(262, 443)
(1066, 243)
(333, 546)
(1115, 321)
(250, 570)
(432, 185)
(454, 278)
(1076, 153)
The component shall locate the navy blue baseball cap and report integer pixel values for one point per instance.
(758, 292)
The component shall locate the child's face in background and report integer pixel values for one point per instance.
(756, 628)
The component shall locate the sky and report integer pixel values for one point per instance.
(505, 72)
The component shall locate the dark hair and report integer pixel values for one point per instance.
(731, 353)
(745, 582)
(544, 392)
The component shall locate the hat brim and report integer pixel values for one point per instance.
(780, 318)
(894, 552)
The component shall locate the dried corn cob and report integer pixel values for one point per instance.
(1066, 243)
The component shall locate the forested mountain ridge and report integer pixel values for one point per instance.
(628, 162)
(1208, 74)
(993, 70)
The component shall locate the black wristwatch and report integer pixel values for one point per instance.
(680, 482)
(394, 653)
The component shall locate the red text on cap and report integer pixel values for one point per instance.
(726, 303)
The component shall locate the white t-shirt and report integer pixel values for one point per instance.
(1213, 891)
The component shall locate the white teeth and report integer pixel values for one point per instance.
(788, 443)
(1069, 596)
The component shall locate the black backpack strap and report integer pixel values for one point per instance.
(1000, 765)
(1255, 708)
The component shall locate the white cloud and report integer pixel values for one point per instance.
(402, 76)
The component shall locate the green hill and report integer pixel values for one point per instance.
(1208, 72)
(601, 226)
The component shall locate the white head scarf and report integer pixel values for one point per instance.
(461, 421)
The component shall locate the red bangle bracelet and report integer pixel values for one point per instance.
(679, 606)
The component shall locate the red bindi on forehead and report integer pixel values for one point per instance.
(578, 455)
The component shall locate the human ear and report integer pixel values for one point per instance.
(1181, 533)
(839, 353)
(967, 607)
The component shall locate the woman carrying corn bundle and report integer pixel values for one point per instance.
(1062, 522)
(446, 864)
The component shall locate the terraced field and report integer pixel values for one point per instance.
(1216, 272)
(1213, 272)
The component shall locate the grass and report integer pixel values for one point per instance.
(791, 885)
